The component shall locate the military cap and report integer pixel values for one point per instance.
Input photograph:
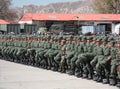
(60, 37)
(89, 38)
(8, 36)
(48, 36)
(112, 42)
(57, 37)
(110, 39)
(64, 37)
(79, 38)
(118, 41)
(69, 36)
(22, 36)
(99, 39)
(63, 41)
(105, 38)
(94, 38)
(75, 37)
(84, 38)
(13, 36)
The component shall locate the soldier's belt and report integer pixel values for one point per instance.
(118, 62)
(63, 54)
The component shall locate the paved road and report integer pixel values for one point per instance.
(18, 76)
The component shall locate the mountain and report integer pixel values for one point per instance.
(80, 6)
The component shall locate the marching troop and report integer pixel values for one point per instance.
(92, 57)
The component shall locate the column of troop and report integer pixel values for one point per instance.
(92, 57)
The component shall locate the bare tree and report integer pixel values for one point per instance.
(6, 11)
(107, 6)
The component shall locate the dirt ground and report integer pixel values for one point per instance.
(18, 76)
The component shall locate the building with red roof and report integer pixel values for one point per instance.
(103, 22)
(70, 17)
(3, 22)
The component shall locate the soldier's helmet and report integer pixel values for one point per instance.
(89, 38)
(60, 37)
(63, 41)
(79, 38)
(110, 39)
(99, 39)
(104, 38)
(118, 41)
(84, 38)
(112, 42)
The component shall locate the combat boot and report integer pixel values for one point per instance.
(118, 83)
(72, 72)
(15, 60)
(38, 65)
(85, 73)
(48, 68)
(21, 61)
(90, 76)
(54, 68)
(35, 64)
(112, 81)
(68, 70)
(45, 67)
(95, 76)
(106, 80)
(78, 72)
(99, 78)
(59, 69)
(63, 70)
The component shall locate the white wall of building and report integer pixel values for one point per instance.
(101, 28)
(86, 29)
(113, 28)
(25, 22)
(117, 29)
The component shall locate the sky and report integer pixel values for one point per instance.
(20, 3)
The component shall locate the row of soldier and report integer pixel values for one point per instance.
(92, 57)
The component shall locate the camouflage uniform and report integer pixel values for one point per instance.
(95, 62)
(117, 63)
(63, 57)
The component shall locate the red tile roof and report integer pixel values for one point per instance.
(13, 22)
(67, 17)
(3, 22)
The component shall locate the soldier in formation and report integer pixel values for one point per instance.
(91, 57)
